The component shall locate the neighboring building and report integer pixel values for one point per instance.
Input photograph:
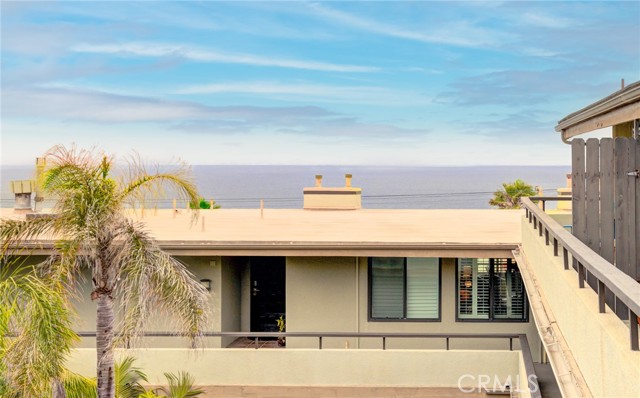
(461, 285)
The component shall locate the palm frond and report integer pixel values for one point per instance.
(128, 378)
(151, 277)
(14, 233)
(79, 386)
(149, 394)
(36, 330)
(142, 184)
(180, 386)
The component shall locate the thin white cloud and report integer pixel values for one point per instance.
(204, 55)
(457, 33)
(545, 21)
(79, 107)
(540, 52)
(76, 105)
(313, 92)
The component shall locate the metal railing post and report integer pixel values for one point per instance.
(539, 228)
(633, 330)
(601, 297)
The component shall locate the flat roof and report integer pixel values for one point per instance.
(333, 232)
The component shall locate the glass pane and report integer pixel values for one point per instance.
(473, 288)
(423, 285)
(508, 293)
(387, 287)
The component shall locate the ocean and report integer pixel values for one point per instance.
(383, 187)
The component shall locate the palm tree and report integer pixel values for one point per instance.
(181, 385)
(35, 335)
(91, 230)
(509, 196)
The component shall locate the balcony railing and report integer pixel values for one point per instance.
(534, 388)
(609, 278)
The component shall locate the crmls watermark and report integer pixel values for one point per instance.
(468, 383)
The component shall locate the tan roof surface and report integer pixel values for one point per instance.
(365, 225)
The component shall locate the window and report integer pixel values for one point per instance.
(404, 288)
(491, 290)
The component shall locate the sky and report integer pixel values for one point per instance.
(328, 83)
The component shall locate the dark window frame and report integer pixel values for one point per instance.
(404, 304)
(491, 319)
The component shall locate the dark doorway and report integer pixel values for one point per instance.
(268, 276)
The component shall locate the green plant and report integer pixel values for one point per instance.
(93, 233)
(202, 203)
(281, 328)
(35, 333)
(78, 386)
(281, 324)
(149, 394)
(509, 196)
(128, 379)
(179, 386)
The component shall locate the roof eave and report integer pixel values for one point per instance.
(619, 107)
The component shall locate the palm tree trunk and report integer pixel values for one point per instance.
(104, 345)
(58, 389)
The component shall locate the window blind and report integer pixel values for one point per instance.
(387, 287)
(490, 289)
(423, 287)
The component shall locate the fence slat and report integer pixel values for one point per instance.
(630, 217)
(606, 206)
(621, 146)
(592, 238)
(578, 189)
(635, 262)
(606, 198)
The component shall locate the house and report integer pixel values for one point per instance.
(464, 300)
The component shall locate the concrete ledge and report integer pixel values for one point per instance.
(304, 367)
(599, 342)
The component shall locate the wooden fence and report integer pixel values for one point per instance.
(605, 204)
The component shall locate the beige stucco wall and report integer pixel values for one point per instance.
(327, 367)
(230, 296)
(202, 267)
(321, 297)
(324, 294)
(599, 342)
(562, 217)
